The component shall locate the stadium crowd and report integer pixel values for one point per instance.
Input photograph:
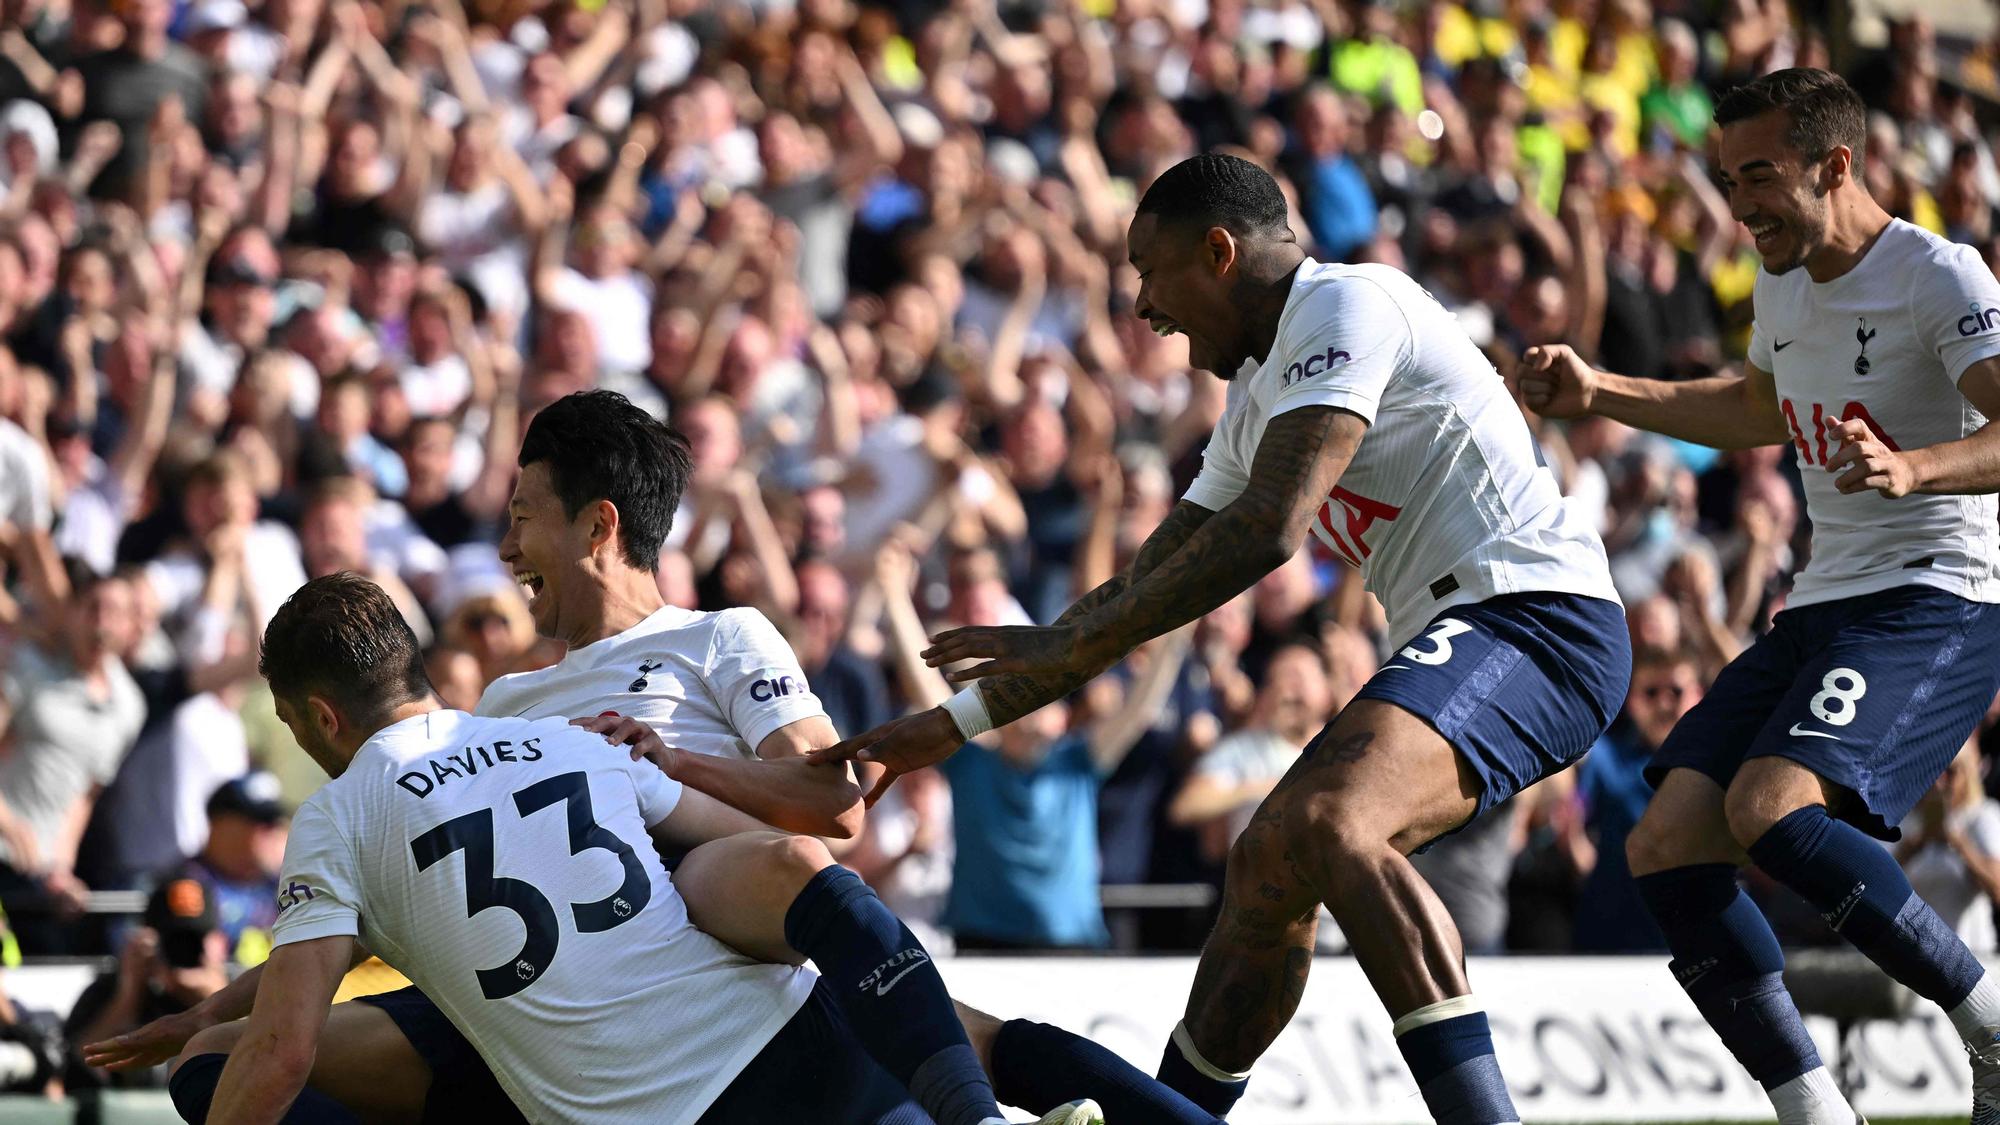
(281, 283)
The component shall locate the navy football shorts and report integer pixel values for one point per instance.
(1521, 685)
(1875, 693)
(462, 1087)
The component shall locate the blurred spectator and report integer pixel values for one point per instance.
(1227, 783)
(240, 861)
(1611, 795)
(71, 714)
(280, 284)
(1951, 850)
(172, 962)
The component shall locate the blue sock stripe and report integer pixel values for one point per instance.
(1471, 1093)
(1446, 1044)
(1861, 891)
(1452, 1061)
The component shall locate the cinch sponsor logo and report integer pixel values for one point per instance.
(1978, 320)
(763, 691)
(1300, 372)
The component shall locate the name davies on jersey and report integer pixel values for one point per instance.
(468, 762)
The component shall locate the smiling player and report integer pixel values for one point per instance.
(1361, 413)
(1875, 354)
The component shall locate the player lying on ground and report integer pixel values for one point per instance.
(1359, 411)
(1879, 361)
(597, 1000)
(601, 478)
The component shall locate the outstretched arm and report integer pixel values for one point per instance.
(781, 788)
(1302, 454)
(1722, 411)
(1008, 697)
(931, 736)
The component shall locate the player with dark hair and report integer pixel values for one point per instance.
(728, 694)
(1358, 411)
(1879, 362)
(660, 1022)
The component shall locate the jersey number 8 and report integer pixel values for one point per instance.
(473, 835)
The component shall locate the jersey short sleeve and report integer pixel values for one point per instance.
(1760, 355)
(1340, 348)
(1956, 306)
(319, 894)
(755, 676)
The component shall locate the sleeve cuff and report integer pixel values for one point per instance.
(1340, 398)
(783, 715)
(311, 929)
(1961, 362)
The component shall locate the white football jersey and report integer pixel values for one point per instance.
(504, 866)
(1885, 342)
(1446, 501)
(709, 683)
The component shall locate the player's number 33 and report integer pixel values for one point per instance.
(473, 835)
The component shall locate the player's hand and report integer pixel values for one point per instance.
(1036, 650)
(621, 731)
(150, 1045)
(1555, 382)
(900, 746)
(1869, 463)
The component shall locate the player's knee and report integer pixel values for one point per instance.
(1334, 830)
(1656, 845)
(801, 856)
(1752, 810)
(785, 864)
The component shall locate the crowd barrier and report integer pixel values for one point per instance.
(1582, 1039)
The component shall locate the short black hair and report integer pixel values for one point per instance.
(1214, 190)
(1825, 111)
(601, 447)
(341, 637)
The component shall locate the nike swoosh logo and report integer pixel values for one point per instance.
(883, 988)
(1392, 667)
(1783, 346)
(1797, 733)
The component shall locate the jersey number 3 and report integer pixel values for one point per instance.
(473, 835)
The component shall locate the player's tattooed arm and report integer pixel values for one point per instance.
(1302, 454)
(1008, 697)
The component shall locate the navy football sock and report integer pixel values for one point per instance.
(1728, 960)
(193, 1089)
(1038, 1067)
(1449, 1048)
(890, 992)
(1853, 881)
(1197, 1080)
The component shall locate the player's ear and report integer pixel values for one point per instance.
(603, 516)
(1836, 168)
(324, 718)
(1221, 248)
